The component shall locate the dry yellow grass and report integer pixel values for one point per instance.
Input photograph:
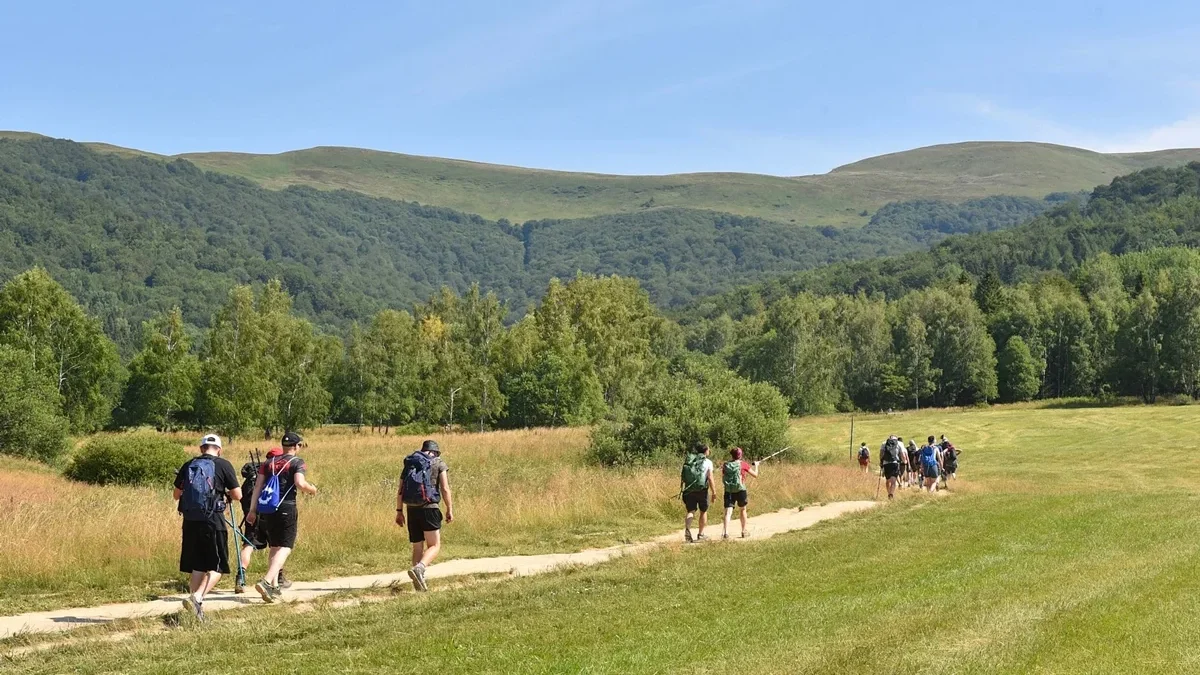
(516, 492)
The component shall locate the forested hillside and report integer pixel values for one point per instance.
(131, 237)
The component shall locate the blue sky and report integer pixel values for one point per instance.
(782, 87)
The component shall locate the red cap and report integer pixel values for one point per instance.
(737, 453)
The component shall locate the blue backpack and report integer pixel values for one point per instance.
(420, 487)
(270, 497)
(199, 499)
(929, 457)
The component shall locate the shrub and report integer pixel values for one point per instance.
(128, 459)
(31, 420)
(700, 400)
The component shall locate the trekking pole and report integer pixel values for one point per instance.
(774, 454)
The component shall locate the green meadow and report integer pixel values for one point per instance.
(1068, 545)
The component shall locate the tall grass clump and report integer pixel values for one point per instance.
(127, 459)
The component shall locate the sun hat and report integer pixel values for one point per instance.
(431, 446)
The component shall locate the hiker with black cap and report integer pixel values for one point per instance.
(273, 510)
(733, 475)
(252, 538)
(696, 485)
(424, 483)
(204, 486)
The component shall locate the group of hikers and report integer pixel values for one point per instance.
(920, 467)
(206, 487)
(697, 484)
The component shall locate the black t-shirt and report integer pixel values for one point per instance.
(287, 467)
(223, 474)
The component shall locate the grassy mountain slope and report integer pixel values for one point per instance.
(845, 196)
(953, 172)
(130, 236)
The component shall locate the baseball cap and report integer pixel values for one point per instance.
(291, 439)
(211, 439)
(431, 446)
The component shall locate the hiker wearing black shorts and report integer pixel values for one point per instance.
(949, 460)
(252, 538)
(696, 487)
(286, 475)
(424, 482)
(914, 463)
(733, 476)
(889, 463)
(204, 488)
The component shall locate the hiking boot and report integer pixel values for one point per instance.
(417, 574)
(725, 535)
(193, 607)
(687, 536)
(268, 592)
(745, 534)
(701, 537)
(284, 582)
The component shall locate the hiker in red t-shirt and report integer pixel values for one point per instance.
(733, 474)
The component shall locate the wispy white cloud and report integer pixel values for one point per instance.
(1031, 125)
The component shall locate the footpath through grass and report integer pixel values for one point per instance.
(1072, 548)
(68, 544)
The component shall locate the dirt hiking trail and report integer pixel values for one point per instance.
(761, 527)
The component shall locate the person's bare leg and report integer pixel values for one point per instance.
(278, 556)
(703, 522)
(687, 522)
(418, 550)
(725, 523)
(197, 584)
(743, 519)
(433, 546)
(246, 553)
(212, 579)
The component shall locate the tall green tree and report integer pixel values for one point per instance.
(41, 319)
(162, 376)
(31, 421)
(297, 364)
(1019, 375)
(236, 391)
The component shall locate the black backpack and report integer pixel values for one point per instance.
(891, 452)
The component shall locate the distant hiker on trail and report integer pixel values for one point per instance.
(914, 463)
(931, 464)
(696, 485)
(203, 487)
(255, 541)
(733, 475)
(864, 457)
(424, 483)
(949, 461)
(889, 463)
(273, 510)
(903, 479)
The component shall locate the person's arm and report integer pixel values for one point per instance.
(178, 494)
(235, 495)
(303, 485)
(400, 503)
(258, 486)
(712, 485)
(754, 469)
(444, 488)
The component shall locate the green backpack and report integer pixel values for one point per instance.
(732, 472)
(693, 472)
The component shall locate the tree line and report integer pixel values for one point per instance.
(134, 237)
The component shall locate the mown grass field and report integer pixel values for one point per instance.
(1070, 546)
(69, 544)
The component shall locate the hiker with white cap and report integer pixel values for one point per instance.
(204, 486)
(424, 483)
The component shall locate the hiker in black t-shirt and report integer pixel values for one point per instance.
(253, 540)
(279, 528)
(204, 488)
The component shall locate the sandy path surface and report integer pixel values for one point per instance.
(761, 527)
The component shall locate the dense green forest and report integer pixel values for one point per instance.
(132, 237)
(1097, 300)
